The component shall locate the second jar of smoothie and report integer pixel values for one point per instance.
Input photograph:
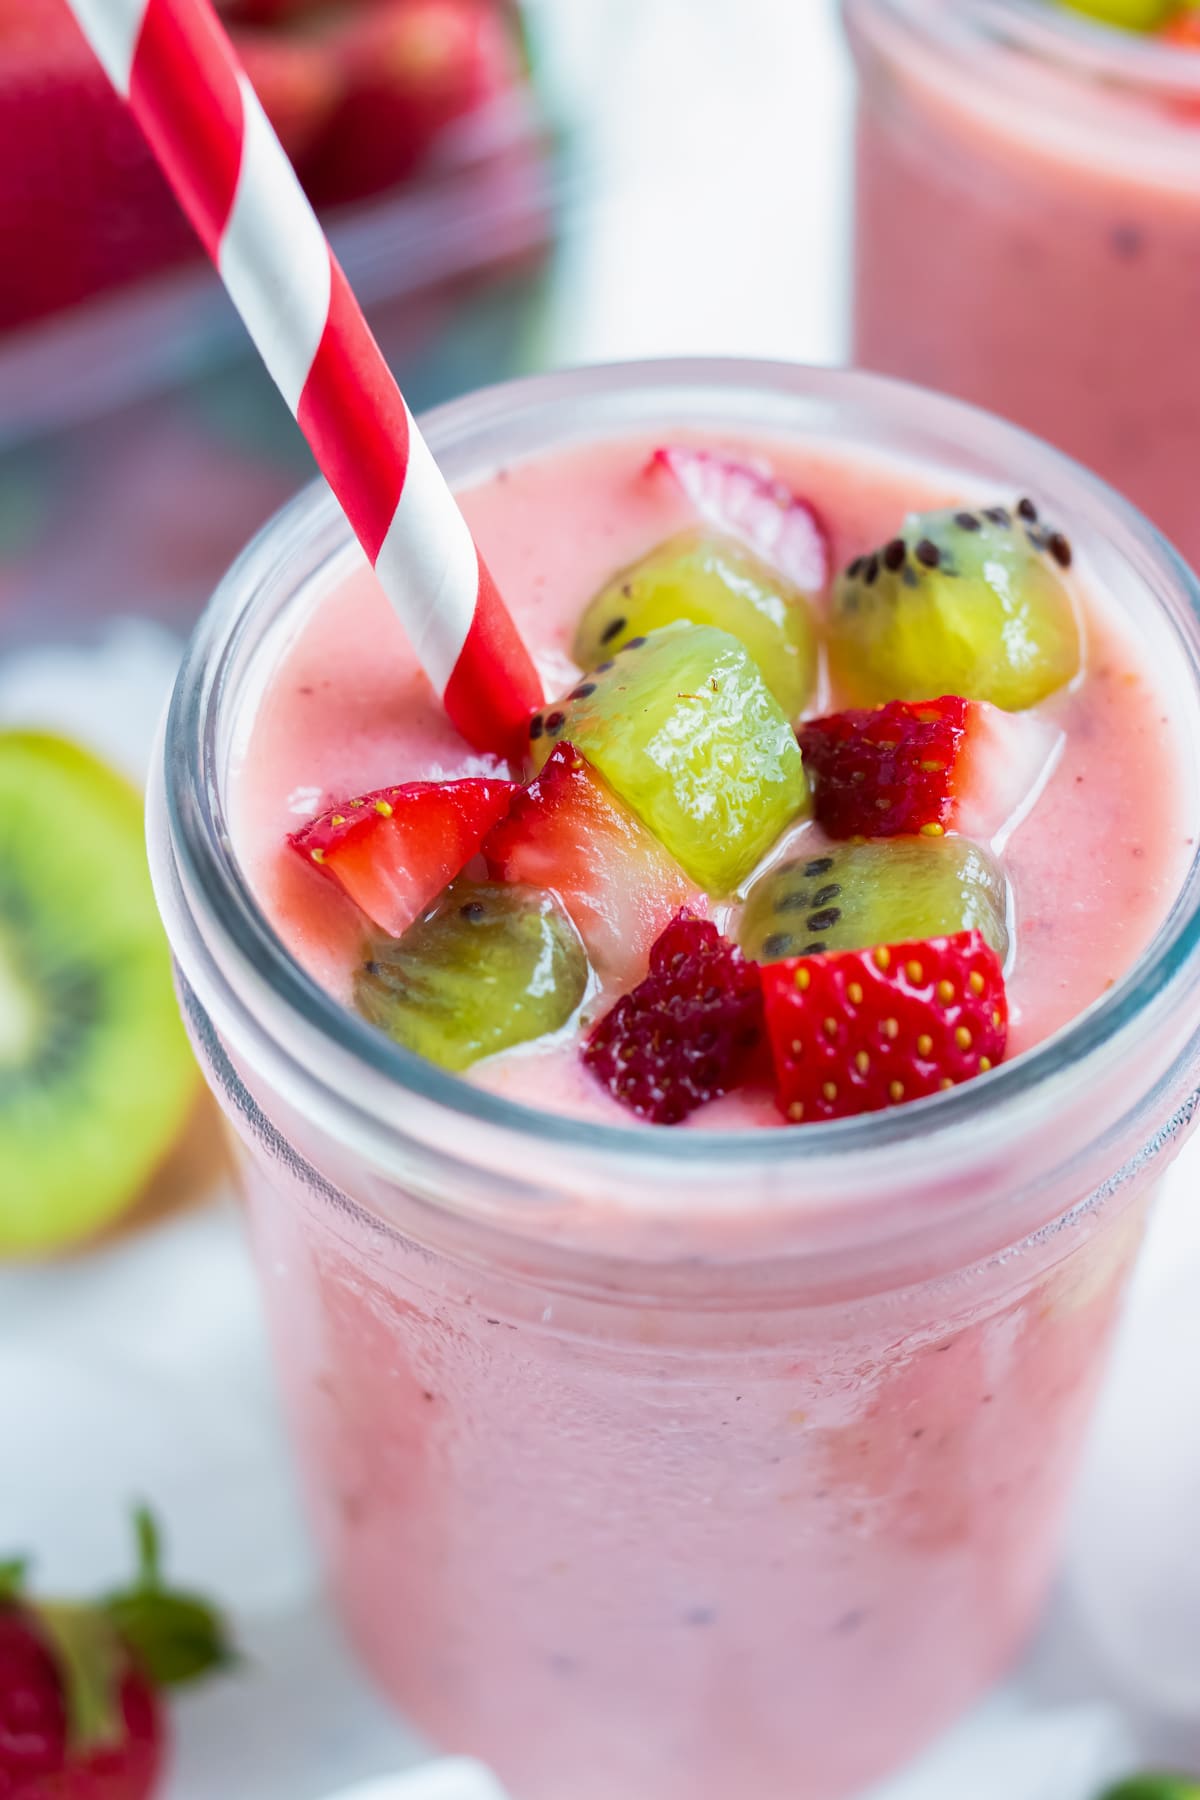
(1028, 229)
(726, 1457)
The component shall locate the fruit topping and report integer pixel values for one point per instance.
(709, 580)
(779, 526)
(1184, 29)
(568, 831)
(961, 602)
(81, 1716)
(927, 766)
(488, 967)
(853, 896)
(683, 726)
(96, 1078)
(687, 1033)
(394, 851)
(858, 1030)
(1131, 15)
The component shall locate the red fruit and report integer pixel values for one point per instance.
(298, 82)
(853, 1031)
(82, 203)
(394, 851)
(568, 831)
(1184, 29)
(926, 766)
(410, 68)
(777, 524)
(687, 1033)
(266, 12)
(80, 1717)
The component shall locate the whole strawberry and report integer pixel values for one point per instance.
(80, 1712)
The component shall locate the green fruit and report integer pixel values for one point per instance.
(970, 603)
(1132, 15)
(1154, 1787)
(488, 967)
(684, 727)
(853, 896)
(707, 579)
(96, 1078)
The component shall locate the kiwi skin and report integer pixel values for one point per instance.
(96, 1076)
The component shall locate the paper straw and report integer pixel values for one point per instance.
(173, 62)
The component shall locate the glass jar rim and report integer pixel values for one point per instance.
(1099, 52)
(194, 863)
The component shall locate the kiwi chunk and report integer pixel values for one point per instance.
(708, 579)
(852, 896)
(683, 726)
(961, 602)
(1131, 15)
(489, 966)
(96, 1077)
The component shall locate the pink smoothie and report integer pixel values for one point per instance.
(623, 1542)
(1028, 234)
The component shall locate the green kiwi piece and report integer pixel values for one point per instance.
(707, 579)
(1131, 15)
(961, 602)
(683, 726)
(853, 896)
(96, 1077)
(489, 966)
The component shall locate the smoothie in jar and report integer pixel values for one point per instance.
(1027, 228)
(725, 1454)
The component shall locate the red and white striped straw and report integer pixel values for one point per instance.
(173, 61)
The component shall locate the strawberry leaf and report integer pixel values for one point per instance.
(175, 1637)
(12, 1579)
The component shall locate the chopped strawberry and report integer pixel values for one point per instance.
(394, 851)
(853, 1031)
(568, 831)
(687, 1033)
(927, 766)
(80, 1713)
(1184, 29)
(778, 525)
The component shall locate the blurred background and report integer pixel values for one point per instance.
(576, 180)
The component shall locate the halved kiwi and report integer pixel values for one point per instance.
(96, 1077)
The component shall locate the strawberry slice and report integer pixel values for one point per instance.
(687, 1033)
(778, 525)
(568, 831)
(394, 851)
(1184, 29)
(927, 766)
(854, 1031)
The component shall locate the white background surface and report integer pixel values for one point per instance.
(718, 225)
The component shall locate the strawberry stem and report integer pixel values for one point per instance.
(12, 1579)
(90, 1661)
